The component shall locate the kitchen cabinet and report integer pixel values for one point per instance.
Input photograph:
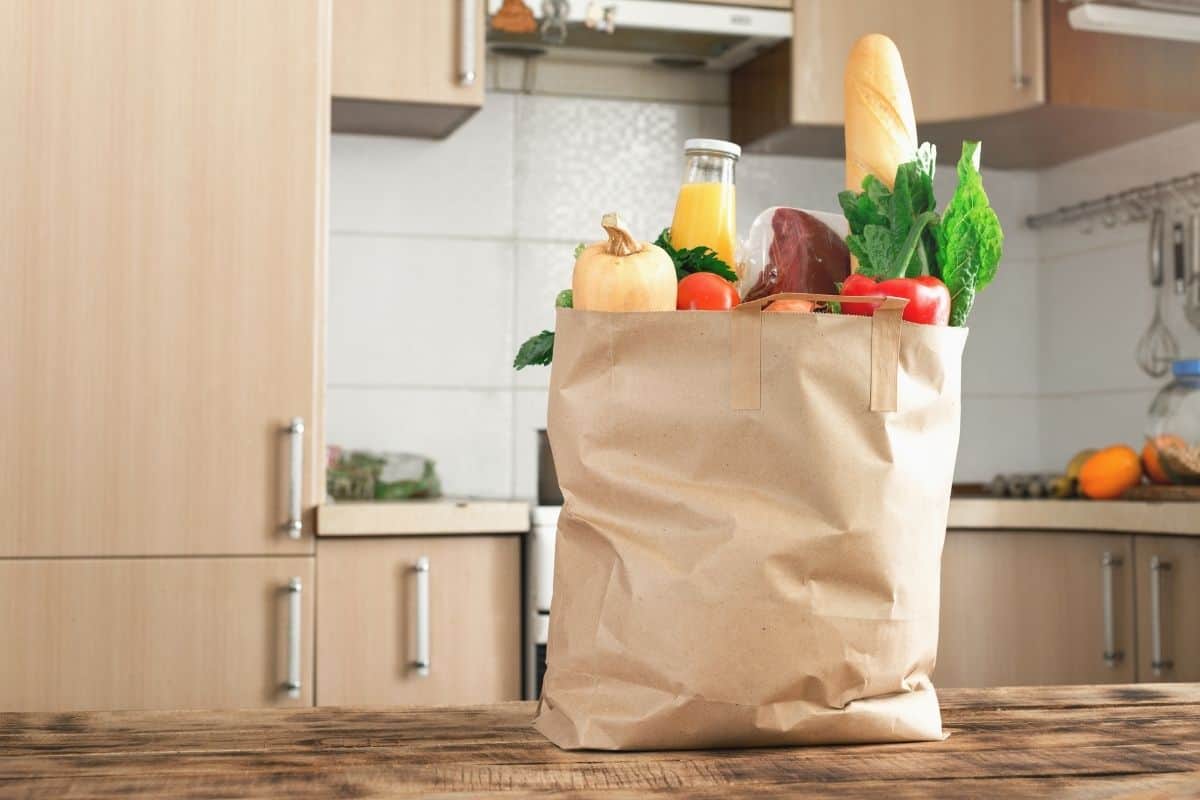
(155, 633)
(407, 68)
(162, 245)
(374, 603)
(1169, 567)
(1010, 72)
(1026, 608)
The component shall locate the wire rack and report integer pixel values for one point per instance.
(1122, 208)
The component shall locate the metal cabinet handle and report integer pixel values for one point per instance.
(293, 639)
(1108, 563)
(422, 661)
(466, 51)
(1157, 662)
(1019, 78)
(295, 522)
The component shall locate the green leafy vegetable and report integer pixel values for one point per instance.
(537, 350)
(695, 259)
(565, 299)
(881, 219)
(579, 248)
(970, 240)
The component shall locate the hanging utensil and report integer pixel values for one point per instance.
(1157, 348)
(1191, 305)
(1180, 264)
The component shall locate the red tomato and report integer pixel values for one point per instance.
(704, 291)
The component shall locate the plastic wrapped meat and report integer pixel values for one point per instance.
(790, 250)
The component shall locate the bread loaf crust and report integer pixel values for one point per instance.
(881, 131)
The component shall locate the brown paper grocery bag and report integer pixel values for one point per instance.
(749, 548)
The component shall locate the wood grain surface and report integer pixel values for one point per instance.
(1112, 741)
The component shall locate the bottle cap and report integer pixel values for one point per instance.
(712, 146)
(1186, 367)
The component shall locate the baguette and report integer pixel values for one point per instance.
(881, 131)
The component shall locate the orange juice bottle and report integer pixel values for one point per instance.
(704, 212)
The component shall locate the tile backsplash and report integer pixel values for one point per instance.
(446, 255)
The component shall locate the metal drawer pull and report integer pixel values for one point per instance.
(1019, 78)
(422, 661)
(295, 521)
(1157, 662)
(466, 50)
(1112, 656)
(293, 641)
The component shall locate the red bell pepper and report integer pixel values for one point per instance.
(928, 297)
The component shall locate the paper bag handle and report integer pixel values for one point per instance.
(746, 348)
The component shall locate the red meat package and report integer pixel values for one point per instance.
(792, 250)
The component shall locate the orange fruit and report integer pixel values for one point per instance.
(1110, 472)
(790, 304)
(1150, 459)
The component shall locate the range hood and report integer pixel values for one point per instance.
(1178, 20)
(682, 34)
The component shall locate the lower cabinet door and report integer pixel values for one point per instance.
(1168, 581)
(1036, 608)
(88, 634)
(419, 620)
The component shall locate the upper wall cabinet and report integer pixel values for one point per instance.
(406, 67)
(162, 244)
(1010, 72)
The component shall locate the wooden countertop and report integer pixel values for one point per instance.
(1036, 742)
(422, 517)
(1123, 516)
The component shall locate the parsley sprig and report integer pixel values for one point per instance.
(695, 259)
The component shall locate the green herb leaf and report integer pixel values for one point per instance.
(579, 248)
(537, 350)
(695, 259)
(970, 240)
(565, 299)
(881, 218)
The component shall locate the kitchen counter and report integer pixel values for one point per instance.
(422, 517)
(1022, 742)
(1123, 516)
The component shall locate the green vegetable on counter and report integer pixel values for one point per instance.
(695, 259)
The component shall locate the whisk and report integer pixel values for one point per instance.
(1157, 348)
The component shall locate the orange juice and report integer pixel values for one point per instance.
(704, 215)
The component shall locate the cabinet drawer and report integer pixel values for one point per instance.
(1027, 608)
(82, 634)
(1168, 566)
(371, 607)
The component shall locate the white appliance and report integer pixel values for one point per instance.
(710, 36)
(1157, 19)
(540, 587)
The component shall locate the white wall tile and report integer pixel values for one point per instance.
(1073, 422)
(468, 432)
(543, 270)
(529, 414)
(420, 312)
(999, 435)
(1001, 356)
(460, 185)
(578, 158)
(764, 181)
(1095, 307)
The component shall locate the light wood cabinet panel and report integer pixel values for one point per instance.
(1026, 609)
(396, 65)
(84, 634)
(958, 56)
(1083, 92)
(366, 631)
(162, 237)
(1179, 607)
